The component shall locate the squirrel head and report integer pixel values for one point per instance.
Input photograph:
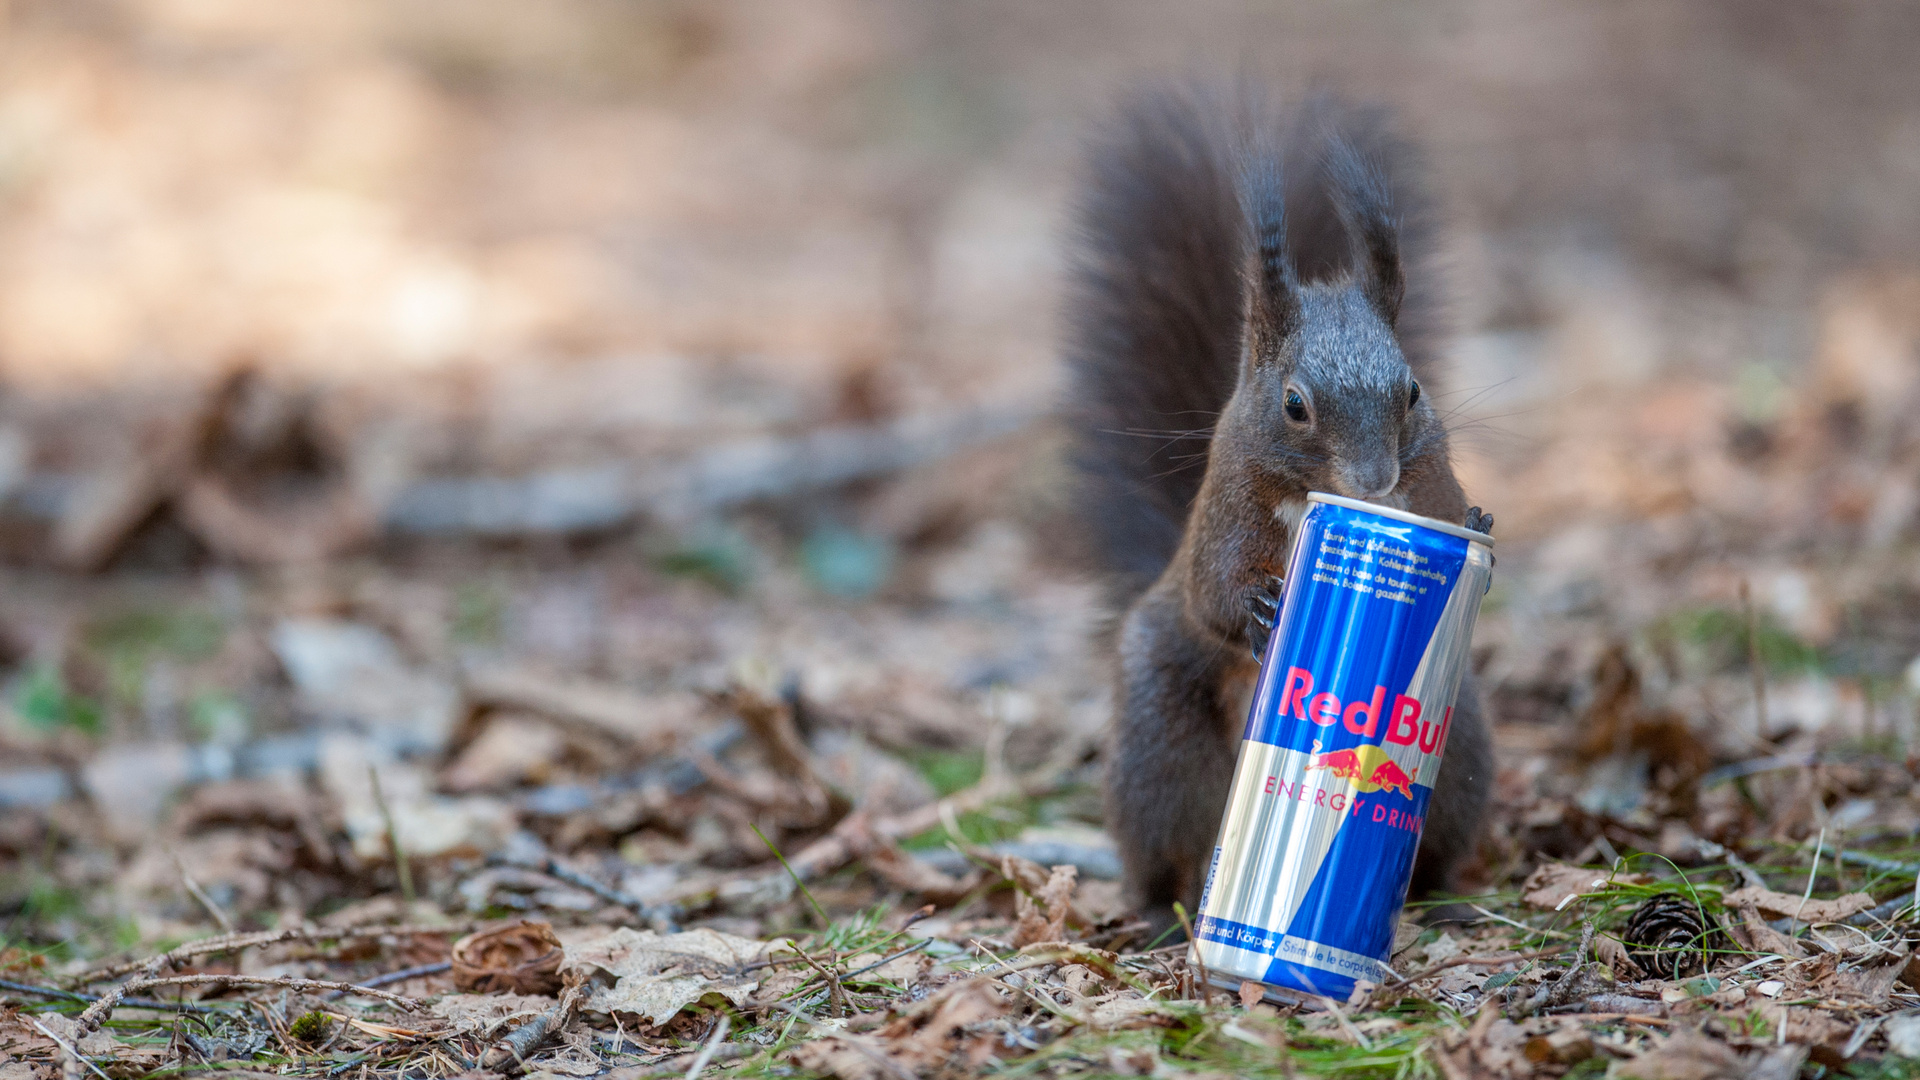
(1326, 400)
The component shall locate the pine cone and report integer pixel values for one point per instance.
(1665, 936)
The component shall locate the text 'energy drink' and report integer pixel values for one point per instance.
(1342, 747)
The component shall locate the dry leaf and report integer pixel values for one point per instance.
(523, 958)
(1124, 1012)
(1871, 985)
(1765, 938)
(1786, 905)
(98, 1043)
(1056, 896)
(651, 977)
(482, 1014)
(1613, 953)
(1551, 884)
(945, 1030)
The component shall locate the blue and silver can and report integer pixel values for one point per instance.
(1342, 748)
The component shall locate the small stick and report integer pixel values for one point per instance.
(257, 939)
(1754, 662)
(914, 948)
(407, 1004)
(1193, 944)
(1631, 1018)
(400, 865)
(93, 1015)
(125, 1003)
(1813, 872)
(1338, 1014)
(513, 1049)
(658, 916)
(392, 977)
(1470, 961)
(193, 888)
(713, 1043)
(836, 995)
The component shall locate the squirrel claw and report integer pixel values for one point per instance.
(1263, 605)
(1479, 521)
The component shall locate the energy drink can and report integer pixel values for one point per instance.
(1342, 748)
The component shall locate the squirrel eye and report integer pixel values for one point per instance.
(1413, 396)
(1296, 407)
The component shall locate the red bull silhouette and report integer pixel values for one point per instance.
(1388, 776)
(1367, 766)
(1344, 764)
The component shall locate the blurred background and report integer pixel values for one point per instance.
(492, 393)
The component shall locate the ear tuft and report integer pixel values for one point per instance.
(1274, 306)
(1365, 205)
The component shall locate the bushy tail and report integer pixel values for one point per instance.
(1157, 300)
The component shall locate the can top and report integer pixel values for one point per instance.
(1460, 531)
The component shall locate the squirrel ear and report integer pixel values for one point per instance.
(1365, 207)
(1274, 287)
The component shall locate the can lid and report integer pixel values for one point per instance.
(1460, 531)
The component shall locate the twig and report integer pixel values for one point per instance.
(235, 942)
(1340, 1015)
(193, 888)
(1561, 990)
(1516, 923)
(1578, 1008)
(93, 1015)
(521, 1041)
(400, 864)
(909, 950)
(125, 1002)
(1206, 988)
(836, 994)
(713, 1043)
(660, 917)
(1754, 662)
(392, 977)
(855, 833)
(69, 1050)
(1813, 872)
(1470, 961)
(407, 1004)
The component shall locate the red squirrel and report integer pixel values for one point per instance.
(1252, 316)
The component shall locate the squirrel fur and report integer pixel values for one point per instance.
(1252, 314)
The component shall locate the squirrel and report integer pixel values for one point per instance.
(1251, 316)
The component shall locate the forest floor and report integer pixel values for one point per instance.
(532, 542)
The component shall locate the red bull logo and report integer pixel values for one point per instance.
(1363, 718)
(1367, 768)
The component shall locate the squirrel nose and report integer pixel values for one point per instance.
(1368, 479)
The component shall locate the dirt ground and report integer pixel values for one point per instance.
(533, 539)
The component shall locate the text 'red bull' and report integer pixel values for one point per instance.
(1404, 726)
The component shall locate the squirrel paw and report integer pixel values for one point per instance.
(1479, 521)
(1263, 604)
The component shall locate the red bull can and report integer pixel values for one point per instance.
(1342, 747)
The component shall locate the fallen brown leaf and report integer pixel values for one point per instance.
(948, 1030)
(650, 977)
(522, 958)
(1043, 916)
(1550, 884)
(1789, 906)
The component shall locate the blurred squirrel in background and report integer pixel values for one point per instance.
(1252, 317)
